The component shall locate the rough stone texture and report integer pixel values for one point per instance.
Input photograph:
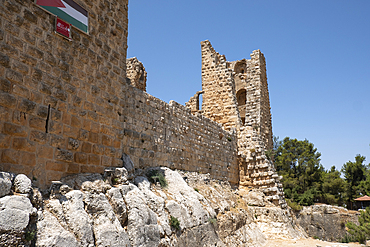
(326, 222)
(67, 108)
(5, 183)
(235, 94)
(51, 233)
(22, 184)
(77, 218)
(14, 213)
(89, 210)
(136, 74)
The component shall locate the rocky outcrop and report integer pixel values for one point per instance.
(326, 222)
(123, 208)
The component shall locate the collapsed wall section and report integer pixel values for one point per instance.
(235, 94)
(219, 102)
(66, 106)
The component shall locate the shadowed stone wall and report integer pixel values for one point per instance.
(66, 106)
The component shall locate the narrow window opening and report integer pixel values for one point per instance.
(47, 120)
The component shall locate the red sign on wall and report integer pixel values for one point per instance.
(63, 28)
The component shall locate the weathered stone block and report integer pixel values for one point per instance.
(33, 51)
(80, 158)
(86, 147)
(46, 152)
(38, 136)
(63, 155)
(73, 168)
(57, 141)
(28, 159)
(73, 144)
(14, 130)
(4, 60)
(94, 159)
(27, 106)
(37, 123)
(56, 166)
(10, 156)
(93, 137)
(23, 144)
(7, 100)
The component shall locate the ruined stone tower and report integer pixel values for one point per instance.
(235, 94)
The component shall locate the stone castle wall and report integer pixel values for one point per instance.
(66, 106)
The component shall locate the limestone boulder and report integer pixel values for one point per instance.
(200, 211)
(15, 212)
(5, 183)
(107, 228)
(155, 203)
(22, 184)
(119, 206)
(142, 223)
(51, 233)
(76, 217)
(254, 198)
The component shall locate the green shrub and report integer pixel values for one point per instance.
(316, 237)
(213, 221)
(30, 235)
(269, 154)
(295, 206)
(196, 189)
(175, 223)
(361, 232)
(348, 239)
(157, 176)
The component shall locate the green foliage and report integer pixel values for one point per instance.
(196, 189)
(295, 206)
(299, 164)
(229, 139)
(333, 188)
(157, 176)
(213, 221)
(348, 239)
(269, 154)
(361, 232)
(30, 235)
(175, 223)
(355, 176)
(316, 237)
(306, 182)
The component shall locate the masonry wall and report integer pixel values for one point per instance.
(235, 94)
(219, 102)
(65, 106)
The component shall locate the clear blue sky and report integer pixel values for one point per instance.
(317, 54)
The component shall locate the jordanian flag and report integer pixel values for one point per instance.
(67, 10)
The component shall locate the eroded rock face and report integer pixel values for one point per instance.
(14, 213)
(5, 183)
(325, 221)
(94, 210)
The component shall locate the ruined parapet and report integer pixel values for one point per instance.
(136, 74)
(193, 104)
(235, 94)
(219, 102)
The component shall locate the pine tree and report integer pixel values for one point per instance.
(361, 232)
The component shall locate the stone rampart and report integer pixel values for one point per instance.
(66, 106)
